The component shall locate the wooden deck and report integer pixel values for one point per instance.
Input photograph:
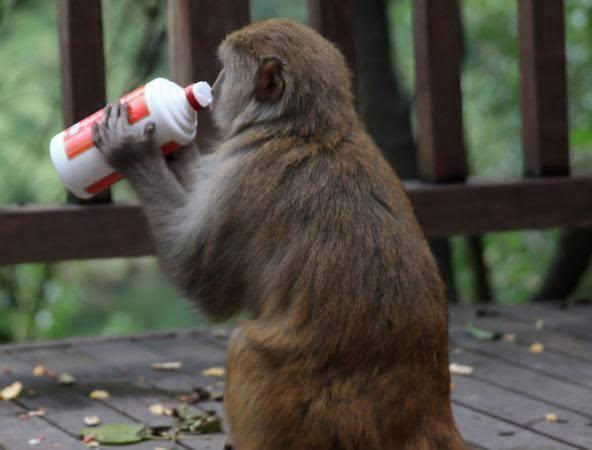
(503, 404)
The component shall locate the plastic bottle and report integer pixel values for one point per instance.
(81, 165)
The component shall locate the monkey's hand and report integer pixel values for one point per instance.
(125, 149)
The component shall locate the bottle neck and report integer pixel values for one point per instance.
(190, 96)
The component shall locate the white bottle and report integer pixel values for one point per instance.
(80, 164)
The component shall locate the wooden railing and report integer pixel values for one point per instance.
(446, 200)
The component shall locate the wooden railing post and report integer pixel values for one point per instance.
(441, 150)
(543, 87)
(82, 62)
(334, 20)
(195, 29)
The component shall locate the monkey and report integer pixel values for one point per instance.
(297, 219)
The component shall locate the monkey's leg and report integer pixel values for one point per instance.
(267, 402)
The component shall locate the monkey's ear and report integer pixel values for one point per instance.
(269, 81)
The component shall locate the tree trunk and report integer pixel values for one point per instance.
(570, 261)
(385, 109)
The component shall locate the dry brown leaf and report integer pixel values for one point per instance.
(214, 372)
(91, 421)
(537, 347)
(551, 417)
(168, 365)
(99, 394)
(65, 379)
(37, 440)
(91, 443)
(509, 337)
(460, 369)
(38, 413)
(40, 370)
(160, 410)
(12, 391)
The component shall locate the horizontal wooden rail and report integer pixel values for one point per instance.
(66, 232)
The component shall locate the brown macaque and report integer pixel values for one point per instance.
(297, 219)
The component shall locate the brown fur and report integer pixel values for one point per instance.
(298, 219)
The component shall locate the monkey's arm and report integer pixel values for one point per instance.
(138, 158)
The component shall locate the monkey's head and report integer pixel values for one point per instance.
(279, 74)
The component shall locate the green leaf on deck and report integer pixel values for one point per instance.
(117, 433)
(482, 334)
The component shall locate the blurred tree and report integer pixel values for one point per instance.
(567, 267)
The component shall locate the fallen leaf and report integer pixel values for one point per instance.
(65, 379)
(221, 333)
(36, 441)
(537, 347)
(551, 417)
(87, 438)
(482, 334)
(168, 365)
(92, 444)
(38, 413)
(218, 395)
(214, 372)
(116, 433)
(12, 391)
(91, 421)
(160, 410)
(509, 337)
(40, 370)
(99, 394)
(199, 394)
(539, 324)
(459, 369)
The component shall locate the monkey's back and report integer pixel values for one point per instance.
(349, 338)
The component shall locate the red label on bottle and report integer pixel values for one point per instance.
(78, 138)
(114, 177)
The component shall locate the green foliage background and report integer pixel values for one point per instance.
(121, 296)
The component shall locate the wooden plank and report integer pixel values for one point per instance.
(334, 20)
(130, 396)
(574, 321)
(15, 433)
(524, 381)
(525, 331)
(82, 63)
(493, 433)
(521, 411)
(58, 233)
(552, 364)
(195, 29)
(543, 87)
(437, 38)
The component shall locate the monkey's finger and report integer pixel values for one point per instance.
(115, 113)
(107, 115)
(96, 136)
(149, 130)
(125, 113)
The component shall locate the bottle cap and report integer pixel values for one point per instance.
(199, 95)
